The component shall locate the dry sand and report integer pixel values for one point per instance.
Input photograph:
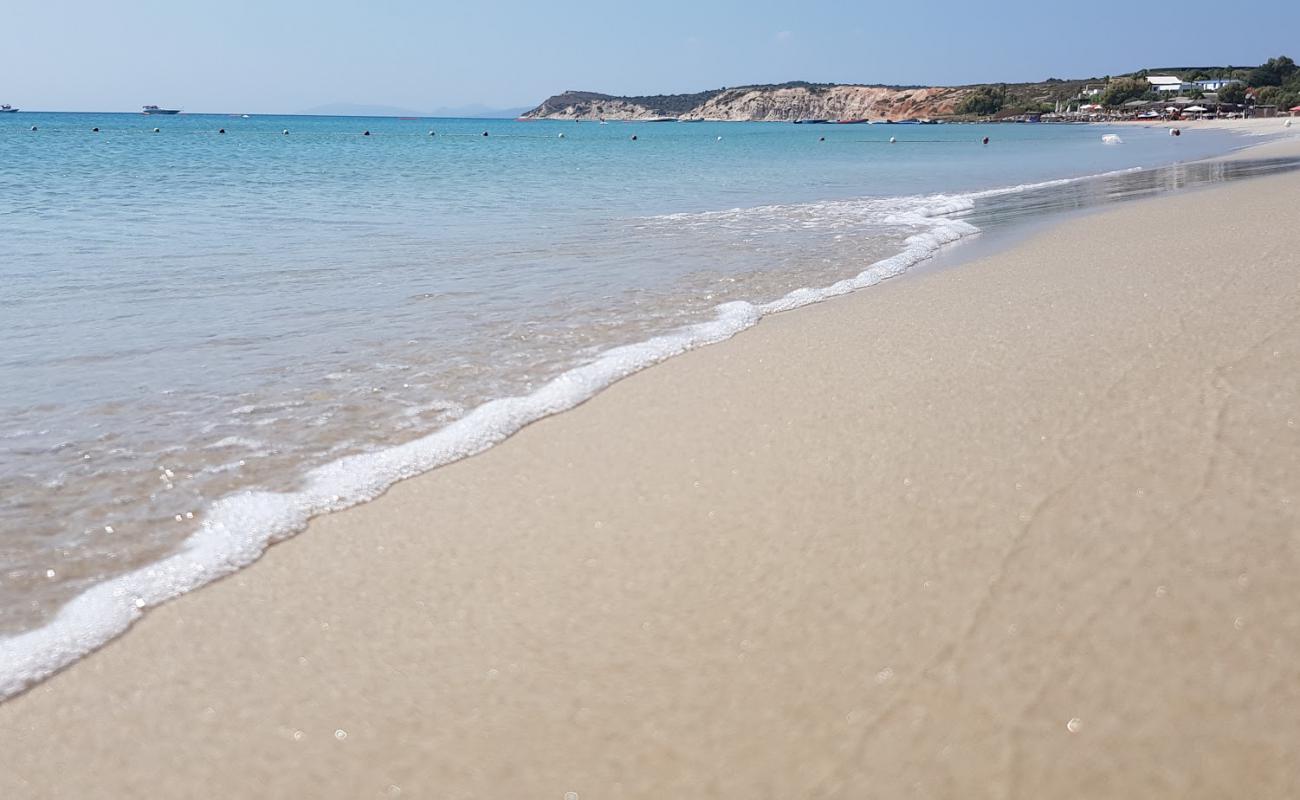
(1262, 126)
(1029, 527)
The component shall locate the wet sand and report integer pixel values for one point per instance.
(1024, 527)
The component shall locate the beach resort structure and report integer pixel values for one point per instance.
(1167, 83)
(1171, 84)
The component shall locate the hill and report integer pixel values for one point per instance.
(801, 100)
(1275, 82)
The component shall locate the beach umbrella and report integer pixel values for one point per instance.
(1295, 109)
(1196, 108)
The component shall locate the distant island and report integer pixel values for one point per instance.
(1275, 84)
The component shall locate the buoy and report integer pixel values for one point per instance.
(223, 130)
(367, 133)
(822, 139)
(33, 127)
(561, 136)
(156, 130)
(986, 140)
(719, 138)
(485, 133)
(94, 130)
(285, 131)
(892, 140)
(431, 133)
(634, 137)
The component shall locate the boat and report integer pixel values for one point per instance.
(157, 110)
(7, 109)
(806, 121)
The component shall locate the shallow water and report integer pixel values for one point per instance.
(189, 316)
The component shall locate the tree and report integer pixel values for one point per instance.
(1233, 93)
(1121, 90)
(1269, 95)
(1282, 97)
(1273, 72)
(984, 101)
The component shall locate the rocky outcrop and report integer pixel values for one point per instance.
(784, 103)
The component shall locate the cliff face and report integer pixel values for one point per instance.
(761, 103)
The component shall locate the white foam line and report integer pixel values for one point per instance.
(237, 529)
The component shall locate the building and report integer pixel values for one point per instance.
(1168, 83)
(1215, 84)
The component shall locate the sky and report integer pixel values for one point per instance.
(269, 56)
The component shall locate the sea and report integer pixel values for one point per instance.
(217, 326)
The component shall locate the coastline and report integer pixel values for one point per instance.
(233, 531)
(558, 567)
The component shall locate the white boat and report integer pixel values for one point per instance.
(157, 110)
(7, 109)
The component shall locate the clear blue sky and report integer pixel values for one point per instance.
(266, 56)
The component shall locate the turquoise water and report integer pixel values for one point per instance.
(191, 317)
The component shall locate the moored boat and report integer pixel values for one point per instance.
(157, 110)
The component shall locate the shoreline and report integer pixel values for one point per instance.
(239, 527)
(195, 615)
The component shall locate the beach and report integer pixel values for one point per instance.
(1022, 526)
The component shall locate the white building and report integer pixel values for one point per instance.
(1215, 84)
(1168, 83)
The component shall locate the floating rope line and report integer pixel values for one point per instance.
(711, 136)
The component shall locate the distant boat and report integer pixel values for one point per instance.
(812, 122)
(851, 121)
(157, 110)
(7, 109)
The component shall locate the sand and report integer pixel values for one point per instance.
(1026, 527)
(1259, 126)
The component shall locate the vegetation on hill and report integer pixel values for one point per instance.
(1275, 82)
(984, 100)
(1121, 90)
